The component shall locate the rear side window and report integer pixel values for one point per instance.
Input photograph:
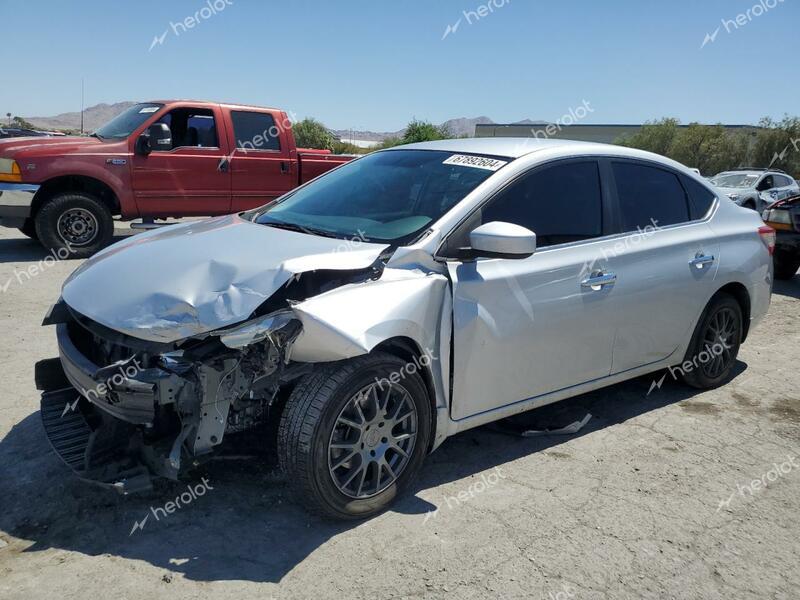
(255, 131)
(700, 198)
(781, 181)
(560, 204)
(649, 196)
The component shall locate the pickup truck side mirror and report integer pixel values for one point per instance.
(502, 240)
(157, 137)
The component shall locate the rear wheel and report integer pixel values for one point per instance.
(353, 435)
(786, 264)
(74, 224)
(715, 344)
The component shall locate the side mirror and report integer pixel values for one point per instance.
(502, 240)
(157, 137)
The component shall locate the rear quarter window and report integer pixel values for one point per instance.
(700, 198)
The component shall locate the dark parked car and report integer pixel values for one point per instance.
(784, 217)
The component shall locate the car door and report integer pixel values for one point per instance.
(523, 328)
(783, 187)
(665, 261)
(189, 177)
(261, 163)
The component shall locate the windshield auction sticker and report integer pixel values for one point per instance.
(477, 162)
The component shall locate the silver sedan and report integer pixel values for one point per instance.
(398, 300)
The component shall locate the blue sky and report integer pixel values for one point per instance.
(375, 64)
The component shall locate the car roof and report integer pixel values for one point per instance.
(516, 147)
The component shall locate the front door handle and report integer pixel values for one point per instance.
(596, 281)
(701, 260)
(284, 167)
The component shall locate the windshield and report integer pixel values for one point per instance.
(387, 197)
(128, 120)
(735, 180)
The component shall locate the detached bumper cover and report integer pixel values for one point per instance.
(16, 200)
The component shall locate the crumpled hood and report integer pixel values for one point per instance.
(172, 283)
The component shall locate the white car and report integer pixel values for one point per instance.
(395, 301)
(756, 188)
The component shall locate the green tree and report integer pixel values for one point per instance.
(709, 148)
(423, 131)
(654, 136)
(777, 144)
(310, 133)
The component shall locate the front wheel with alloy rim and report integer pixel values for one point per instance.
(715, 344)
(74, 224)
(354, 434)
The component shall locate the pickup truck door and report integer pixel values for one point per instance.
(191, 177)
(264, 159)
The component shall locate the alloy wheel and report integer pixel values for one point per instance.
(719, 342)
(372, 440)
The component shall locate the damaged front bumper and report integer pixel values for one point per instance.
(118, 410)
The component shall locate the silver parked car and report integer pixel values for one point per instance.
(756, 188)
(398, 300)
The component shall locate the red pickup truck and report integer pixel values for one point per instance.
(155, 160)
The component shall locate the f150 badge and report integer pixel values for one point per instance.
(116, 161)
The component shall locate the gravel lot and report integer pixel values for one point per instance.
(654, 498)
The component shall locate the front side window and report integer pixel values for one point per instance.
(191, 127)
(560, 204)
(386, 197)
(766, 184)
(782, 181)
(127, 121)
(255, 131)
(649, 197)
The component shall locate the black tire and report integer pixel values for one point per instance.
(29, 229)
(712, 359)
(74, 225)
(786, 264)
(311, 419)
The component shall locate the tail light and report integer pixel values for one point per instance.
(768, 237)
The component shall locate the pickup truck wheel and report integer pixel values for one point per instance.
(29, 229)
(786, 264)
(354, 434)
(715, 344)
(75, 222)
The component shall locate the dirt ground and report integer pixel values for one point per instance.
(675, 494)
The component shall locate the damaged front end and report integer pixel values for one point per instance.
(118, 409)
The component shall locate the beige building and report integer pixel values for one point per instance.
(606, 134)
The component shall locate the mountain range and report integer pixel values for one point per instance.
(95, 116)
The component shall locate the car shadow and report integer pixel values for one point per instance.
(24, 249)
(787, 287)
(244, 525)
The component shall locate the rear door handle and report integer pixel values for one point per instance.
(597, 280)
(223, 165)
(701, 260)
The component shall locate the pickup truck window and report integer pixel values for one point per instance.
(127, 121)
(255, 131)
(193, 127)
(386, 197)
